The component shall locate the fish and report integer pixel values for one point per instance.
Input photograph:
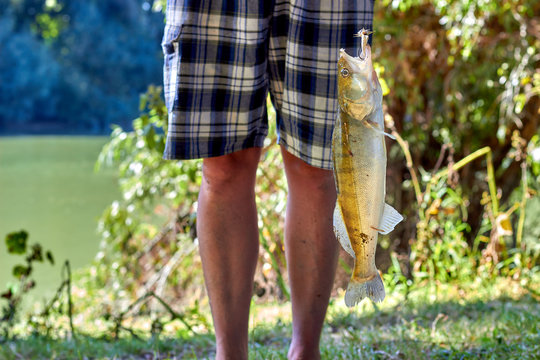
(359, 165)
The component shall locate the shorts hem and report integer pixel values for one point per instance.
(318, 163)
(177, 149)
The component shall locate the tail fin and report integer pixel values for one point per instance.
(356, 291)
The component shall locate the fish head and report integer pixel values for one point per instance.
(359, 90)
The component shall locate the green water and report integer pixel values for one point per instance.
(48, 187)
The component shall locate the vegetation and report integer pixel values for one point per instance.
(462, 98)
(17, 244)
(466, 80)
(475, 321)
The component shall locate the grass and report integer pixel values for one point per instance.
(493, 320)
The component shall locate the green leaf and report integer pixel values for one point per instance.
(20, 270)
(50, 257)
(16, 242)
(37, 253)
(150, 136)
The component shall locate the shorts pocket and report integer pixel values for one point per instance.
(171, 61)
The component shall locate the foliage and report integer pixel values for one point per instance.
(17, 244)
(47, 321)
(463, 78)
(271, 199)
(75, 67)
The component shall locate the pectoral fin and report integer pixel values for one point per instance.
(341, 231)
(389, 219)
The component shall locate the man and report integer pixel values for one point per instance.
(221, 59)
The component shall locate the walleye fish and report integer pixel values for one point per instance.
(359, 156)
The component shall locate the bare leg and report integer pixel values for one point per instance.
(311, 251)
(228, 243)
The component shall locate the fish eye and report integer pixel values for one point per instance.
(345, 72)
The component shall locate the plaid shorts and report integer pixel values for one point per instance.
(223, 56)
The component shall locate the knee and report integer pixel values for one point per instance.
(230, 171)
(303, 176)
(312, 177)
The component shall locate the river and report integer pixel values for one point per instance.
(49, 188)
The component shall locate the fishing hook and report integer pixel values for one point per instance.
(364, 34)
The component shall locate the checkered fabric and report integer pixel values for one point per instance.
(223, 56)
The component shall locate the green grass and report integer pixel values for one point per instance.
(499, 320)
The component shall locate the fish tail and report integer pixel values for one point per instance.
(358, 290)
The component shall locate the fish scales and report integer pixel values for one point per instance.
(359, 156)
(361, 186)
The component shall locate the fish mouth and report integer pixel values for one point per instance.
(357, 64)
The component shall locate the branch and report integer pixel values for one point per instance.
(410, 166)
(490, 173)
